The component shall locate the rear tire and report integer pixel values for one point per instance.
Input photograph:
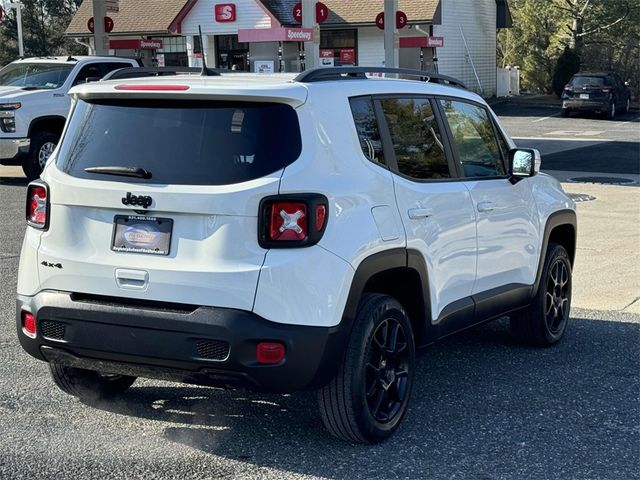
(627, 106)
(42, 146)
(368, 397)
(611, 111)
(88, 384)
(544, 322)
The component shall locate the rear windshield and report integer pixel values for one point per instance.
(181, 142)
(588, 81)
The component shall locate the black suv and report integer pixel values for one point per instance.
(603, 93)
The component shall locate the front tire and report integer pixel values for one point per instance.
(368, 397)
(564, 112)
(42, 146)
(627, 106)
(88, 384)
(544, 322)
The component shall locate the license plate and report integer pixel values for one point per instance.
(584, 96)
(140, 234)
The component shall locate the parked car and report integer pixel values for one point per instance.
(286, 234)
(603, 93)
(34, 104)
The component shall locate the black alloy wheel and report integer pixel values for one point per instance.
(369, 394)
(557, 297)
(545, 320)
(387, 373)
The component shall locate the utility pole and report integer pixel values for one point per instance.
(391, 39)
(311, 49)
(99, 35)
(18, 7)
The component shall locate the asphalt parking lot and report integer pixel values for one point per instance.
(583, 143)
(483, 407)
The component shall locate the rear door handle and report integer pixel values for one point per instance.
(418, 213)
(486, 206)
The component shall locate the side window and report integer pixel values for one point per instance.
(88, 71)
(366, 122)
(110, 67)
(473, 135)
(416, 138)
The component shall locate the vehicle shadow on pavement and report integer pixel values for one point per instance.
(482, 407)
(14, 181)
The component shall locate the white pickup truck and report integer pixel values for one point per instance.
(34, 104)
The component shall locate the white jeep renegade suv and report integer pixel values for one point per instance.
(284, 233)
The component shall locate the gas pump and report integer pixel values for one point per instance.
(302, 56)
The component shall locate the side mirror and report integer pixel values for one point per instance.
(524, 162)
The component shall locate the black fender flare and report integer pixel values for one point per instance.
(382, 262)
(556, 219)
(45, 119)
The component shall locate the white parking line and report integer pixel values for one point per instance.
(546, 118)
(628, 121)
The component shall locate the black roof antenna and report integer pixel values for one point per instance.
(205, 70)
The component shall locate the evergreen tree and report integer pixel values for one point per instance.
(43, 26)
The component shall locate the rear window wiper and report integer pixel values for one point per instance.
(121, 171)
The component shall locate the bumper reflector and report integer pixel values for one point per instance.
(29, 324)
(270, 353)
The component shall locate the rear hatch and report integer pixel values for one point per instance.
(590, 88)
(158, 198)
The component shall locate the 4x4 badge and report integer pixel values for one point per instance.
(133, 200)
(51, 265)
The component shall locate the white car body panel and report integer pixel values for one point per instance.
(303, 287)
(446, 238)
(508, 236)
(214, 258)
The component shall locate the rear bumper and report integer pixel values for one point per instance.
(586, 105)
(200, 345)
(12, 148)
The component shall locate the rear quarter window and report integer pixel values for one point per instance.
(181, 142)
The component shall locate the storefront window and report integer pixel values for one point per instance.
(173, 52)
(343, 43)
(197, 45)
(232, 54)
(173, 44)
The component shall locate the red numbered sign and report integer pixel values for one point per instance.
(401, 20)
(322, 12)
(108, 25)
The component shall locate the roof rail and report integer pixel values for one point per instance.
(360, 73)
(133, 72)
